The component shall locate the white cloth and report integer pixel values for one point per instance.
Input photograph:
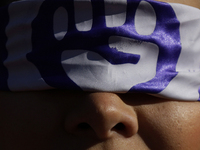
(95, 45)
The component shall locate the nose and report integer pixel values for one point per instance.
(103, 115)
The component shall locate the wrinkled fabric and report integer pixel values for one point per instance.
(101, 45)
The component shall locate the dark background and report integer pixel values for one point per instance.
(5, 2)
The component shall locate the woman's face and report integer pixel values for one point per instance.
(52, 120)
(61, 120)
(194, 3)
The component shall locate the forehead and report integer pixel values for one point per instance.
(194, 3)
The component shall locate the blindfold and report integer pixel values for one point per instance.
(101, 45)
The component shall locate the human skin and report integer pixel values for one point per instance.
(64, 120)
(194, 3)
(61, 120)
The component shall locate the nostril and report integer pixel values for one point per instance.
(84, 126)
(119, 127)
(102, 116)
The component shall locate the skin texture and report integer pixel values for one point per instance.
(58, 120)
(194, 3)
(63, 120)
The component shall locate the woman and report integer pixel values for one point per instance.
(67, 119)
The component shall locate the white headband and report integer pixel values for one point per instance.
(101, 45)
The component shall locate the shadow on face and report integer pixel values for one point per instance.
(57, 119)
(60, 120)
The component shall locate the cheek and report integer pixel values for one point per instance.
(29, 121)
(188, 120)
(171, 126)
